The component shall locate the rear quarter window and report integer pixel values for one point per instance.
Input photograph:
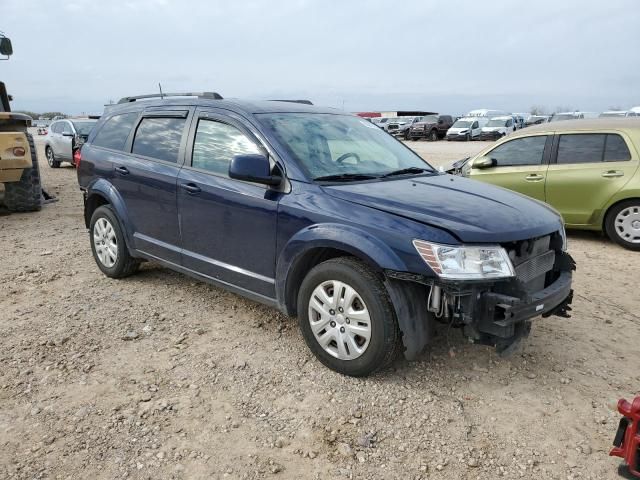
(159, 138)
(115, 131)
(615, 149)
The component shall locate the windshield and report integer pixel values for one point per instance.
(563, 116)
(429, 119)
(83, 128)
(326, 144)
(494, 122)
(462, 124)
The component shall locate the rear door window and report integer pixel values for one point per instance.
(520, 151)
(115, 131)
(66, 128)
(159, 137)
(581, 148)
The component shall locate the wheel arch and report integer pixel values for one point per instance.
(101, 193)
(318, 243)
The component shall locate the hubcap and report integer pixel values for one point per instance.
(339, 320)
(105, 242)
(627, 224)
(49, 156)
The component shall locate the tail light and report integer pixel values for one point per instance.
(77, 157)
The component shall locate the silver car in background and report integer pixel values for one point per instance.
(64, 137)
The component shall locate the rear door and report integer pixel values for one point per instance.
(146, 180)
(587, 169)
(228, 226)
(521, 165)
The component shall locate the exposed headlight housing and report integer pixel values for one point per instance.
(563, 234)
(467, 262)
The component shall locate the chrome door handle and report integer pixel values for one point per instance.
(122, 170)
(534, 178)
(613, 173)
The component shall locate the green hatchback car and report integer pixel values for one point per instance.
(586, 169)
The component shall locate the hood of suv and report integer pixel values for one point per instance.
(422, 124)
(472, 211)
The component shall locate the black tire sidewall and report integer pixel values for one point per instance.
(119, 268)
(383, 324)
(53, 163)
(610, 229)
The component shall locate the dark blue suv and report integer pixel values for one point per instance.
(324, 216)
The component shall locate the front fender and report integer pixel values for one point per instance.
(104, 189)
(352, 240)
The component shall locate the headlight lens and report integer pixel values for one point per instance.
(466, 262)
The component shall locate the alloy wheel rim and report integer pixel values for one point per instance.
(49, 156)
(105, 242)
(340, 320)
(627, 224)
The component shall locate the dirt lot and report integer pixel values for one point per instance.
(159, 376)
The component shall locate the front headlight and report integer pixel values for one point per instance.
(563, 234)
(466, 262)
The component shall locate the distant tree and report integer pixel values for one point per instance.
(50, 115)
(538, 110)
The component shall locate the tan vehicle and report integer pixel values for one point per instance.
(18, 161)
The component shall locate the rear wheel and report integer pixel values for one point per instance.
(623, 224)
(108, 246)
(25, 195)
(51, 158)
(347, 318)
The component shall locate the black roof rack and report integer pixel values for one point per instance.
(211, 95)
(304, 102)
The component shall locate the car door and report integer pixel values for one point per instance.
(55, 133)
(65, 141)
(475, 129)
(586, 170)
(228, 226)
(520, 165)
(146, 180)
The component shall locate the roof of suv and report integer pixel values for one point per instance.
(244, 106)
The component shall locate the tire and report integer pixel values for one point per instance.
(383, 344)
(622, 224)
(51, 158)
(26, 194)
(467, 138)
(433, 136)
(123, 264)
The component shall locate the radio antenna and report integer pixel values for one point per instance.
(160, 87)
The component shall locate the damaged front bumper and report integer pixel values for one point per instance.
(490, 313)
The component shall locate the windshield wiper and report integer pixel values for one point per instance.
(406, 171)
(345, 177)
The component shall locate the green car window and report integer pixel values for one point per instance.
(616, 149)
(520, 151)
(581, 148)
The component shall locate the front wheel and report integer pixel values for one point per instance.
(347, 318)
(623, 224)
(433, 136)
(108, 245)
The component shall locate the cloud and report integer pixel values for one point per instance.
(75, 55)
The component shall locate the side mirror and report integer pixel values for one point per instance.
(253, 168)
(484, 162)
(5, 47)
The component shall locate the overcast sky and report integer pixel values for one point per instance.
(76, 55)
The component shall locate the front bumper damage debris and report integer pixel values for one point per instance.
(496, 313)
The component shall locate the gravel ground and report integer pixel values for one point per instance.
(159, 376)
